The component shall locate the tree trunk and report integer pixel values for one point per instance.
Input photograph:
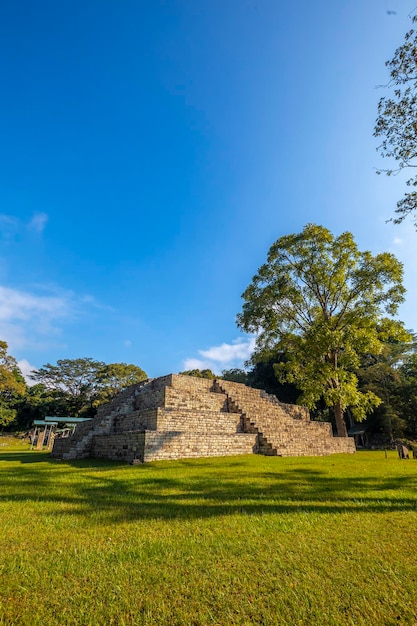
(340, 422)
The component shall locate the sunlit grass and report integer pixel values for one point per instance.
(242, 540)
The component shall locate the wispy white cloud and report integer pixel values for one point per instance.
(93, 302)
(15, 304)
(198, 364)
(226, 352)
(8, 221)
(38, 222)
(26, 368)
(11, 226)
(225, 356)
(30, 319)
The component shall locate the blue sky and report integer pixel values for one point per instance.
(152, 151)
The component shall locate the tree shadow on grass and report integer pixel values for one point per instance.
(25, 457)
(198, 489)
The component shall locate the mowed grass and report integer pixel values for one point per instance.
(238, 540)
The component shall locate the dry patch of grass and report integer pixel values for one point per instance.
(242, 540)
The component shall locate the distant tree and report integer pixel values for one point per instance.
(38, 402)
(407, 395)
(320, 301)
(235, 375)
(381, 374)
(75, 380)
(115, 377)
(12, 385)
(396, 123)
(199, 373)
(11, 379)
(78, 386)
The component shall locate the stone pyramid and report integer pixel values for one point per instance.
(177, 417)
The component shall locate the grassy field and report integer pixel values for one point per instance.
(241, 540)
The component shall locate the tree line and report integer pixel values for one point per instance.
(72, 387)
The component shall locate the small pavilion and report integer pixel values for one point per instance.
(48, 429)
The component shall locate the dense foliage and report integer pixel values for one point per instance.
(72, 387)
(199, 373)
(12, 386)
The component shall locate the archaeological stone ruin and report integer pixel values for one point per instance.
(178, 417)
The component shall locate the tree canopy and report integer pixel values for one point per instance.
(396, 123)
(11, 379)
(199, 373)
(323, 303)
(80, 385)
(114, 377)
(235, 375)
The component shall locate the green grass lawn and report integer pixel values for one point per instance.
(238, 540)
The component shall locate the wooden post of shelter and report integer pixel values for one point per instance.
(34, 438)
(51, 440)
(41, 438)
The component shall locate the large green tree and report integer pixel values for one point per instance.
(396, 123)
(321, 302)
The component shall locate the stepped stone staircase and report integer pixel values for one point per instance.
(283, 429)
(176, 417)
